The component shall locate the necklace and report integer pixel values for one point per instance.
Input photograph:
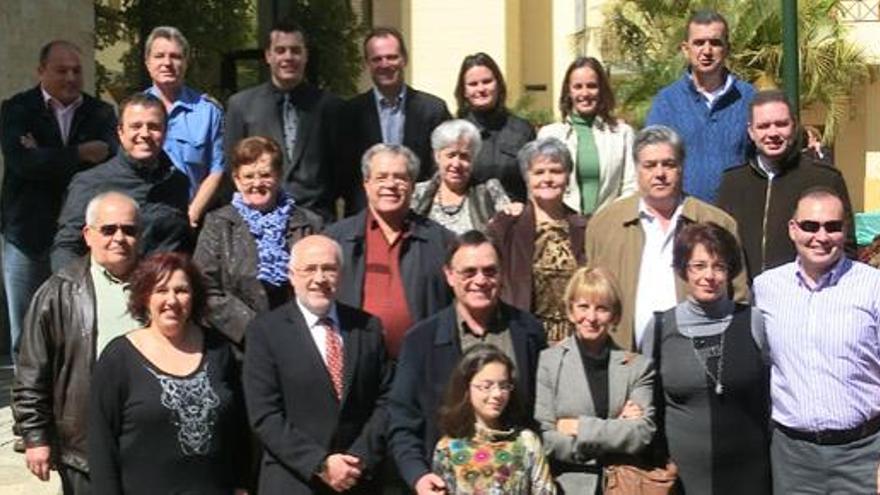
(706, 352)
(449, 210)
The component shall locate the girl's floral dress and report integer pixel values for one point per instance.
(494, 462)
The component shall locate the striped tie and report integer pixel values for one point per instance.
(334, 355)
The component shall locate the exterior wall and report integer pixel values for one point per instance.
(536, 52)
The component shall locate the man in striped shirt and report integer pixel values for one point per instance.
(821, 315)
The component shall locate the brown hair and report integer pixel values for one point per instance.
(145, 100)
(152, 271)
(250, 149)
(456, 414)
(605, 107)
(714, 238)
(479, 59)
(384, 32)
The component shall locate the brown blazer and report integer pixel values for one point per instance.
(514, 237)
(615, 240)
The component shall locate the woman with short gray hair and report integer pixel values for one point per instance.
(543, 246)
(451, 198)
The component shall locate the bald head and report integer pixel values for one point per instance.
(111, 232)
(315, 264)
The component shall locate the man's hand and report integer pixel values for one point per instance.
(430, 484)
(567, 426)
(38, 461)
(342, 471)
(514, 209)
(28, 141)
(195, 216)
(631, 410)
(93, 151)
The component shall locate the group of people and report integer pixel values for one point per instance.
(500, 309)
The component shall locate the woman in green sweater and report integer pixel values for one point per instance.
(600, 144)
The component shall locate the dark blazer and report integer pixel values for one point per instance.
(514, 237)
(421, 263)
(762, 209)
(309, 177)
(504, 134)
(292, 406)
(35, 180)
(227, 256)
(422, 113)
(430, 352)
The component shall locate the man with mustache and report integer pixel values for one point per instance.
(142, 171)
(391, 112)
(761, 193)
(707, 106)
(299, 116)
(633, 237)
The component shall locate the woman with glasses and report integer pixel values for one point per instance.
(594, 402)
(244, 247)
(485, 446)
(543, 246)
(713, 381)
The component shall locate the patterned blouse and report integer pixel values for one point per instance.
(554, 263)
(494, 462)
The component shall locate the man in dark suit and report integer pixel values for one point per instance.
(300, 117)
(49, 133)
(390, 112)
(433, 347)
(315, 380)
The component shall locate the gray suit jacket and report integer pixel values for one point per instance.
(562, 391)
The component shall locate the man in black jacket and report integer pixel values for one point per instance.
(433, 347)
(142, 171)
(315, 380)
(302, 118)
(762, 193)
(390, 112)
(73, 315)
(49, 133)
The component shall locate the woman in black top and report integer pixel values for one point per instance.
(714, 383)
(481, 96)
(166, 412)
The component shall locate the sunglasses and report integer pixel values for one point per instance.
(813, 226)
(110, 229)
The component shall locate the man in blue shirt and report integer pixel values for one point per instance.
(194, 137)
(707, 106)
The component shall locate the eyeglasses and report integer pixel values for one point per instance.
(312, 270)
(812, 226)
(110, 229)
(697, 267)
(471, 272)
(488, 386)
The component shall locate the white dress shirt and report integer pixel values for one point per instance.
(318, 331)
(656, 288)
(63, 114)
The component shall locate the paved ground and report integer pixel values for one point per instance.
(15, 479)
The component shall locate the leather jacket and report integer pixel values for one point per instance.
(50, 393)
(227, 256)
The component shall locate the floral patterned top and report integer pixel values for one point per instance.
(494, 462)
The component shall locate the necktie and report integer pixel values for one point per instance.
(334, 356)
(290, 123)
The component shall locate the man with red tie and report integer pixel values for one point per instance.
(315, 377)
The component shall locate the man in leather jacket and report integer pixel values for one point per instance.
(73, 315)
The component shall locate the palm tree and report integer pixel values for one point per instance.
(642, 40)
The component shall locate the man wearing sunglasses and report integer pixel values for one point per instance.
(142, 171)
(822, 337)
(761, 193)
(73, 315)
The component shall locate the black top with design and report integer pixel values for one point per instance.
(152, 432)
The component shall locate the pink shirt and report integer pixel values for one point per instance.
(63, 114)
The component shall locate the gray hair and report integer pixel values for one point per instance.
(169, 33)
(412, 161)
(659, 134)
(451, 132)
(96, 202)
(548, 148)
(336, 246)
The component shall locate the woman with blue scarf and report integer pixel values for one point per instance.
(244, 247)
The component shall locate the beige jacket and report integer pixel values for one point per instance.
(615, 240)
(617, 175)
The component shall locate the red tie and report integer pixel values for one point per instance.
(334, 356)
